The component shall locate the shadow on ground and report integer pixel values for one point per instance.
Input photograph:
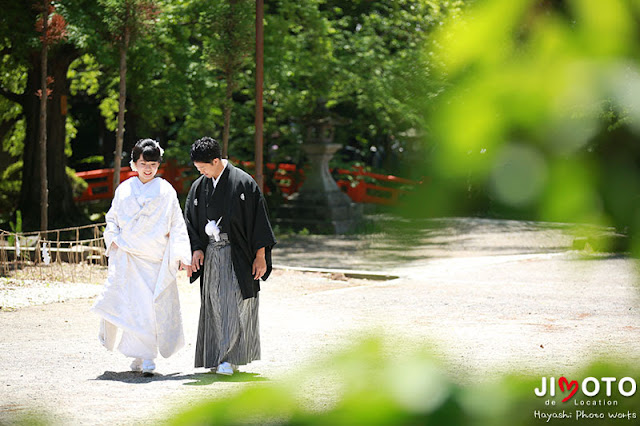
(201, 379)
(210, 378)
(392, 242)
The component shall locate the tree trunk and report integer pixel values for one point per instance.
(227, 114)
(62, 210)
(259, 119)
(44, 191)
(117, 159)
(29, 203)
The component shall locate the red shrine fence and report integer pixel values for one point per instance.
(361, 186)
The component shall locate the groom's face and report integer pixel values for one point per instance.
(210, 170)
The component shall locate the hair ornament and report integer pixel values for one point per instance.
(159, 147)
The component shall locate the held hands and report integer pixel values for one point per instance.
(196, 261)
(259, 267)
(183, 267)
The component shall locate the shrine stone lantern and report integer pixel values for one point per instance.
(320, 206)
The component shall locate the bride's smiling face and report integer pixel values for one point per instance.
(146, 169)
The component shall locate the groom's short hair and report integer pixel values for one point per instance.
(205, 150)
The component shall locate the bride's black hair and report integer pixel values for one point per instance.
(149, 150)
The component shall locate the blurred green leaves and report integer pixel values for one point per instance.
(378, 382)
(520, 175)
(523, 123)
(360, 385)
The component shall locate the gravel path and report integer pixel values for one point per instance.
(487, 297)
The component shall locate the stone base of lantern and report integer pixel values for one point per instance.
(320, 213)
(320, 206)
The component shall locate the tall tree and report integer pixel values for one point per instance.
(125, 20)
(22, 49)
(259, 120)
(44, 94)
(228, 30)
(364, 60)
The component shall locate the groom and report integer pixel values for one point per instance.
(231, 241)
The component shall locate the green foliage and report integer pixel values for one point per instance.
(10, 187)
(300, 67)
(227, 30)
(15, 227)
(109, 110)
(13, 144)
(70, 134)
(12, 172)
(530, 94)
(132, 16)
(31, 418)
(84, 75)
(356, 59)
(78, 185)
(308, 61)
(380, 46)
(304, 231)
(363, 60)
(13, 78)
(372, 383)
(18, 20)
(94, 159)
(178, 96)
(12, 180)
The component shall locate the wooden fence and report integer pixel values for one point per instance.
(59, 254)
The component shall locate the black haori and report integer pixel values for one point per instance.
(228, 327)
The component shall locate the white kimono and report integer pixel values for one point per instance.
(141, 294)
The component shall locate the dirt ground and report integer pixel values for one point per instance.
(486, 296)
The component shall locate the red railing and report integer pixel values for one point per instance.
(288, 177)
(361, 191)
(101, 180)
(361, 186)
(383, 190)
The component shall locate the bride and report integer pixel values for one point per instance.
(147, 242)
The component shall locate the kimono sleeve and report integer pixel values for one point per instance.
(112, 230)
(191, 217)
(262, 232)
(262, 235)
(178, 235)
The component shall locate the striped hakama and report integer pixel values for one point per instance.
(228, 327)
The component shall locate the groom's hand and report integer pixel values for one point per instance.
(197, 260)
(259, 267)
